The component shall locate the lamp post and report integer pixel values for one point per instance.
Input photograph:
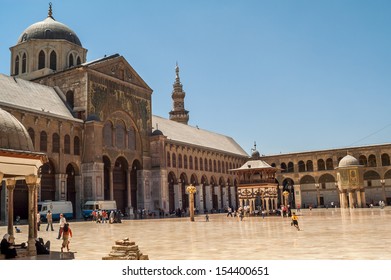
(191, 190)
(285, 194)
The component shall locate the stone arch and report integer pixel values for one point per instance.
(387, 175)
(194, 179)
(385, 160)
(72, 170)
(372, 161)
(307, 179)
(171, 192)
(136, 166)
(363, 160)
(183, 183)
(106, 178)
(120, 169)
(371, 175)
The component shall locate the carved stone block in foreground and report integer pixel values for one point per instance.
(125, 250)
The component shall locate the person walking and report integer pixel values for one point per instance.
(66, 236)
(62, 223)
(229, 212)
(49, 219)
(38, 221)
(295, 221)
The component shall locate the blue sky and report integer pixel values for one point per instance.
(291, 75)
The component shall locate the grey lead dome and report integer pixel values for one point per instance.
(49, 29)
(13, 135)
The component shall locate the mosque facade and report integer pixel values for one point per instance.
(93, 120)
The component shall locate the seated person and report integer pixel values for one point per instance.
(42, 249)
(7, 246)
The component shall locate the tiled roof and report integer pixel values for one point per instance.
(30, 96)
(198, 137)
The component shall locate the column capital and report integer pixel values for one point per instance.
(10, 183)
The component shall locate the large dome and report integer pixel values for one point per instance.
(347, 161)
(49, 29)
(13, 135)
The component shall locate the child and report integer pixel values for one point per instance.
(66, 235)
(206, 217)
(295, 221)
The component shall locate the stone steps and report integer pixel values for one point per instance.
(125, 250)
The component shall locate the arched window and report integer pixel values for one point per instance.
(53, 60)
(219, 166)
(131, 139)
(301, 166)
(210, 166)
(70, 60)
(185, 161)
(168, 159)
(43, 142)
(76, 146)
(196, 163)
(329, 164)
(190, 162)
(78, 61)
(120, 133)
(67, 144)
(201, 164)
(385, 160)
(214, 166)
(321, 165)
(174, 160)
(16, 65)
(41, 60)
(32, 135)
(362, 160)
(206, 164)
(55, 143)
(283, 167)
(107, 135)
(222, 167)
(310, 166)
(24, 63)
(180, 161)
(372, 161)
(70, 98)
(290, 167)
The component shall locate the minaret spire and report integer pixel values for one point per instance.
(178, 113)
(50, 12)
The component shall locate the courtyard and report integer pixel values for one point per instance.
(326, 234)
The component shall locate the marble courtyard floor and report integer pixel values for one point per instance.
(327, 234)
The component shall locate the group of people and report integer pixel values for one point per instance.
(102, 216)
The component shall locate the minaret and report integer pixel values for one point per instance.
(178, 113)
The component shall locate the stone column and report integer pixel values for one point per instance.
(32, 213)
(363, 199)
(358, 196)
(351, 199)
(128, 189)
(267, 208)
(383, 188)
(10, 188)
(111, 185)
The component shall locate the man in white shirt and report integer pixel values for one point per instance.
(61, 224)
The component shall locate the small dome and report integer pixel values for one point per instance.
(347, 161)
(157, 132)
(49, 29)
(255, 154)
(13, 135)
